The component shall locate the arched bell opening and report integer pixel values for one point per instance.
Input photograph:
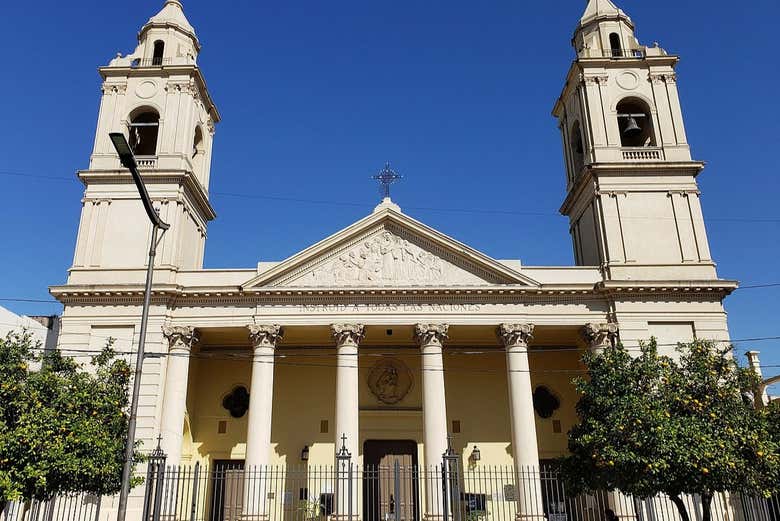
(144, 128)
(635, 124)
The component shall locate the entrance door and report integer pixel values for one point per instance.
(390, 483)
(227, 490)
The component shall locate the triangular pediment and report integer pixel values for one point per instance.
(388, 249)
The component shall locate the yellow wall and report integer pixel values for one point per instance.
(304, 394)
(210, 381)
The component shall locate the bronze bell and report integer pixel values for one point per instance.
(632, 128)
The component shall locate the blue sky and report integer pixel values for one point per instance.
(316, 96)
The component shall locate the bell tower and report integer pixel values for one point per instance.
(158, 98)
(632, 197)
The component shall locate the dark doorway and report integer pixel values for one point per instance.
(227, 490)
(390, 482)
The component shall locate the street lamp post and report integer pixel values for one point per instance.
(128, 161)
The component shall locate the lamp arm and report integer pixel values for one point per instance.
(146, 200)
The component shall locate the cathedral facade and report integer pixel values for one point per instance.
(388, 336)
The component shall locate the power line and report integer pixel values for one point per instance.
(539, 349)
(283, 363)
(37, 301)
(485, 211)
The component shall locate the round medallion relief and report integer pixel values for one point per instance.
(628, 80)
(390, 381)
(146, 89)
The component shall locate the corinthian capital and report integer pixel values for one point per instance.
(180, 336)
(515, 334)
(431, 334)
(265, 335)
(347, 334)
(599, 336)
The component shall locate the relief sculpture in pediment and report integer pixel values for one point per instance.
(382, 259)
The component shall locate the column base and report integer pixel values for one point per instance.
(433, 517)
(254, 517)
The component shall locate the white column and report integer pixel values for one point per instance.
(346, 433)
(599, 337)
(180, 341)
(258, 436)
(431, 339)
(521, 407)
(762, 398)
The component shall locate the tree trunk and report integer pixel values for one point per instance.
(706, 506)
(680, 504)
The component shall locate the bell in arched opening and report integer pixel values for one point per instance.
(632, 127)
(635, 123)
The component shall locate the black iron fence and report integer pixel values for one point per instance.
(396, 492)
(75, 507)
(227, 491)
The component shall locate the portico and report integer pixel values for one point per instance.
(392, 382)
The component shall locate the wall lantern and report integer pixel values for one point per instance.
(305, 453)
(476, 455)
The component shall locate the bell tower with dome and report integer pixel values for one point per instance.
(632, 196)
(158, 98)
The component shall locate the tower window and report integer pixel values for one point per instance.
(159, 49)
(143, 133)
(577, 149)
(614, 44)
(635, 124)
(198, 152)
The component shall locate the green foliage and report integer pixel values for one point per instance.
(62, 427)
(650, 425)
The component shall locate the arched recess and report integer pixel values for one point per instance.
(144, 130)
(198, 158)
(635, 123)
(615, 46)
(577, 148)
(159, 51)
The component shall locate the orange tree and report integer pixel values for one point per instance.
(651, 425)
(62, 426)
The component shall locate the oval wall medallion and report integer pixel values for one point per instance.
(628, 80)
(146, 89)
(390, 381)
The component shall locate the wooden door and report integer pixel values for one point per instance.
(390, 480)
(227, 490)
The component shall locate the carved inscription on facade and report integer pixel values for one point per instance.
(385, 308)
(385, 259)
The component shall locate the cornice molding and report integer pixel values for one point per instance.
(177, 296)
(592, 172)
(192, 188)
